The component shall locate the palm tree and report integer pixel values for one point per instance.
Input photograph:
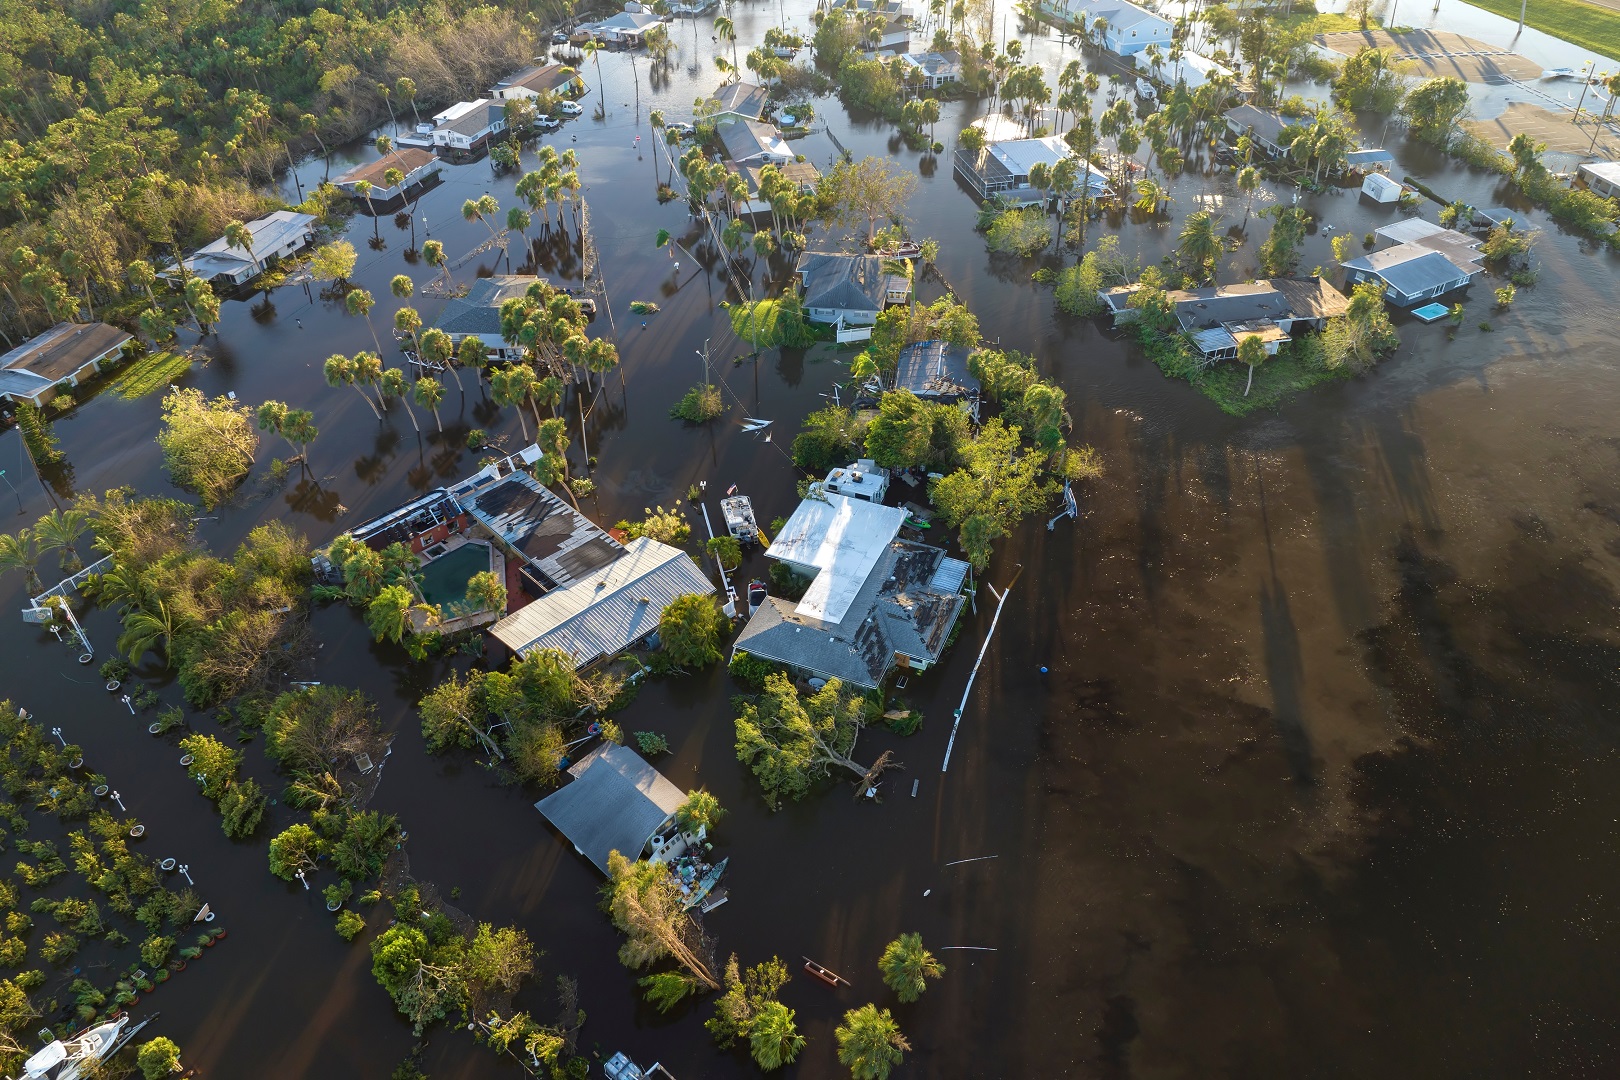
(1199, 244)
(519, 219)
(391, 384)
(1251, 351)
(61, 530)
(239, 235)
(656, 119)
(549, 392)
(870, 1043)
(1150, 196)
(474, 210)
(438, 348)
(907, 967)
(392, 177)
(298, 428)
(593, 50)
(509, 387)
(472, 353)
(389, 613)
(340, 371)
(726, 30)
(428, 393)
(360, 302)
(17, 552)
(1248, 182)
(433, 255)
(368, 369)
(364, 188)
(773, 1037)
(408, 322)
(148, 628)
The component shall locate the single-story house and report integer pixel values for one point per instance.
(1381, 189)
(552, 545)
(749, 142)
(1412, 230)
(66, 353)
(1263, 127)
(472, 127)
(1602, 177)
(478, 314)
(849, 290)
(1218, 317)
(1192, 70)
(615, 801)
(894, 9)
(417, 165)
(935, 68)
(937, 371)
(876, 602)
(275, 236)
(801, 173)
(1004, 169)
(1369, 160)
(608, 610)
(862, 480)
(628, 27)
(1412, 273)
(741, 101)
(542, 79)
(1494, 216)
(1127, 29)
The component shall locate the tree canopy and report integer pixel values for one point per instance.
(791, 741)
(690, 629)
(208, 443)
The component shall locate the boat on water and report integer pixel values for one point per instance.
(1560, 73)
(77, 1056)
(620, 1067)
(705, 884)
(740, 522)
(904, 249)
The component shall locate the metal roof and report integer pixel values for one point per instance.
(1267, 125)
(935, 369)
(1410, 269)
(551, 536)
(16, 383)
(1369, 157)
(615, 802)
(479, 312)
(748, 139)
(476, 120)
(842, 538)
(606, 611)
(539, 79)
(270, 234)
(1409, 230)
(1608, 171)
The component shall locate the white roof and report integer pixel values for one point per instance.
(1409, 230)
(843, 539)
(1603, 170)
(1018, 155)
(1193, 68)
(457, 111)
(1378, 185)
(606, 611)
(269, 234)
(862, 478)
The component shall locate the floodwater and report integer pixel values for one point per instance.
(1321, 779)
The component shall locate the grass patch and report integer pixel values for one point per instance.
(152, 372)
(1579, 23)
(1325, 23)
(1275, 381)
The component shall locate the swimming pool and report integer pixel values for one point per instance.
(444, 580)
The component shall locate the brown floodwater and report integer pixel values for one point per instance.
(1321, 779)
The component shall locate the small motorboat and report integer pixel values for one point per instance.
(78, 1056)
(740, 522)
(905, 249)
(825, 974)
(1560, 73)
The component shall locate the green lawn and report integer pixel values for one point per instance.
(152, 372)
(1577, 22)
(1275, 381)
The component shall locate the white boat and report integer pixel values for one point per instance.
(75, 1057)
(1560, 73)
(740, 522)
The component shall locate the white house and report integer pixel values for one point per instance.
(628, 27)
(935, 68)
(1191, 70)
(543, 79)
(1004, 169)
(66, 353)
(1127, 29)
(749, 142)
(275, 236)
(1263, 127)
(1602, 177)
(1380, 188)
(417, 166)
(847, 290)
(471, 127)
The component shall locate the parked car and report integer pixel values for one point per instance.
(570, 108)
(683, 130)
(559, 37)
(547, 123)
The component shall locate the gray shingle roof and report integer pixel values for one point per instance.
(747, 139)
(742, 98)
(479, 312)
(1267, 125)
(615, 802)
(1228, 303)
(64, 349)
(847, 282)
(1406, 271)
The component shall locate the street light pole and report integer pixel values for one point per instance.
(13, 488)
(183, 868)
(120, 802)
(58, 733)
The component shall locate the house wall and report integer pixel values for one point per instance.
(1132, 40)
(850, 317)
(1600, 186)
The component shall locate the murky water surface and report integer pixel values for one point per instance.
(1322, 780)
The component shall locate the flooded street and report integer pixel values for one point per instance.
(1322, 779)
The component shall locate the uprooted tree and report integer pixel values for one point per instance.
(645, 902)
(789, 741)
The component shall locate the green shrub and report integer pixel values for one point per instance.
(651, 743)
(699, 405)
(349, 924)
